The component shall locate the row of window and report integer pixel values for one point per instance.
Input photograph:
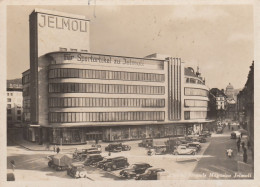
(70, 117)
(105, 88)
(105, 75)
(10, 118)
(195, 103)
(105, 102)
(195, 115)
(196, 92)
(194, 81)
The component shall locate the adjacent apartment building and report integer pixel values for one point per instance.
(14, 103)
(72, 95)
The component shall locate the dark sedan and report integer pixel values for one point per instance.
(133, 170)
(150, 174)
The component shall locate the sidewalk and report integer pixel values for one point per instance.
(36, 147)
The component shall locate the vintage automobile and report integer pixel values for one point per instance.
(93, 159)
(77, 170)
(205, 133)
(150, 174)
(117, 147)
(200, 139)
(195, 145)
(157, 150)
(184, 150)
(235, 134)
(97, 146)
(116, 163)
(105, 160)
(114, 147)
(134, 169)
(59, 162)
(84, 153)
(146, 143)
(126, 147)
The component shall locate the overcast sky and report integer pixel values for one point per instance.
(218, 38)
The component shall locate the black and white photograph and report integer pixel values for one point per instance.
(129, 92)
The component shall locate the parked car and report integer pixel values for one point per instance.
(184, 150)
(157, 150)
(77, 170)
(97, 146)
(195, 145)
(150, 174)
(89, 153)
(126, 147)
(81, 154)
(105, 160)
(200, 139)
(138, 168)
(235, 134)
(146, 143)
(205, 133)
(114, 147)
(93, 159)
(116, 163)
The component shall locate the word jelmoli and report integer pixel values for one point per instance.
(104, 59)
(62, 23)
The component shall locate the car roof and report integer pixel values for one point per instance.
(156, 169)
(93, 155)
(140, 163)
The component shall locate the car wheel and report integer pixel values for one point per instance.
(108, 169)
(82, 174)
(114, 166)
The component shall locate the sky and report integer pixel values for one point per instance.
(217, 38)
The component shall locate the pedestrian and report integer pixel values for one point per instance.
(54, 148)
(245, 155)
(238, 146)
(12, 164)
(109, 153)
(243, 145)
(58, 149)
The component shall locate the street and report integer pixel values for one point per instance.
(210, 163)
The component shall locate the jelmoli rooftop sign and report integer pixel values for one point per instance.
(96, 59)
(57, 22)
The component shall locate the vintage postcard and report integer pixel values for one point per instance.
(119, 92)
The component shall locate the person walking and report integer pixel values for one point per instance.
(54, 148)
(245, 155)
(58, 149)
(238, 145)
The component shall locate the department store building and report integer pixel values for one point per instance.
(72, 95)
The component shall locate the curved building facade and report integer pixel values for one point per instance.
(74, 96)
